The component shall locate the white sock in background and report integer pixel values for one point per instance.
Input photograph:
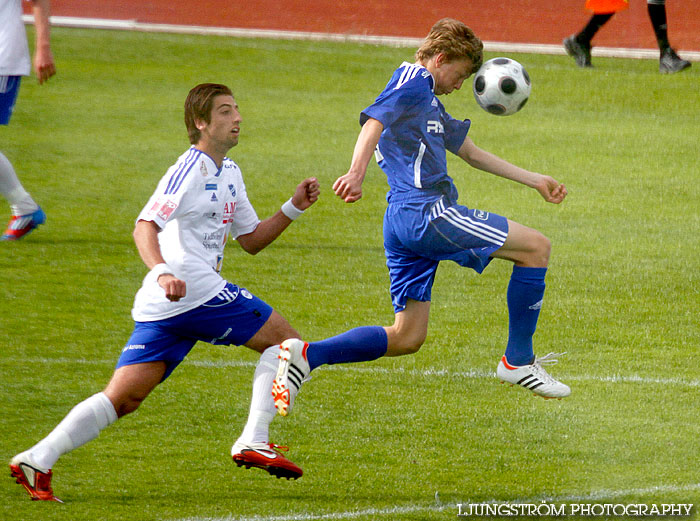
(10, 187)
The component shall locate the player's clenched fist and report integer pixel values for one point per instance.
(306, 194)
(174, 288)
(348, 187)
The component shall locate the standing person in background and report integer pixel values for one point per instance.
(578, 45)
(15, 63)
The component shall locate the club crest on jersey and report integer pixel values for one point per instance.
(232, 189)
(435, 127)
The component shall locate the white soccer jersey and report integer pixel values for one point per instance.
(14, 50)
(196, 205)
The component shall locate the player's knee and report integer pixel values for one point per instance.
(540, 249)
(127, 405)
(545, 249)
(413, 346)
(405, 343)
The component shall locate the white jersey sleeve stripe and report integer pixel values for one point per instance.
(409, 72)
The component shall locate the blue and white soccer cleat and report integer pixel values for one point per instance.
(534, 377)
(21, 225)
(292, 371)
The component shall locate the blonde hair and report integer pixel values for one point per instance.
(455, 40)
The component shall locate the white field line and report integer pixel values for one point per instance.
(598, 495)
(426, 373)
(478, 374)
(391, 41)
(369, 369)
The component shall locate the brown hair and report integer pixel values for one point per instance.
(198, 106)
(455, 40)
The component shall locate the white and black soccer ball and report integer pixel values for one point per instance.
(501, 86)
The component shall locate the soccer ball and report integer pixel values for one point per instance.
(501, 86)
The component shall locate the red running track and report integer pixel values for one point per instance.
(515, 21)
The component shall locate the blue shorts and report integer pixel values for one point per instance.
(9, 88)
(231, 317)
(420, 234)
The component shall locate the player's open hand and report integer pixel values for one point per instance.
(307, 193)
(174, 288)
(348, 187)
(551, 189)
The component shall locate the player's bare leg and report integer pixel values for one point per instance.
(275, 331)
(131, 384)
(409, 330)
(525, 247)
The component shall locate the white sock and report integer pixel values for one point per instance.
(82, 424)
(262, 406)
(10, 187)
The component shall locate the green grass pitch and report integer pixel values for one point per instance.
(407, 438)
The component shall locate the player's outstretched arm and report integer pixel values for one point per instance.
(146, 239)
(551, 190)
(44, 66)
(349, 186)
(305, 195)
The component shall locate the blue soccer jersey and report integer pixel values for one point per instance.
(424, 224)
(417, 132)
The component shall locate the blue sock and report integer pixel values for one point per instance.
(525, 292)
(361, 344)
